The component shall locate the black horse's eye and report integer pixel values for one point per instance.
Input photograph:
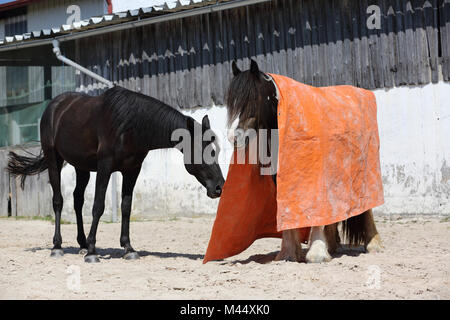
(213, 153)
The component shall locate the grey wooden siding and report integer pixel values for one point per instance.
(4, 186)
(33, 200)
(186, 63)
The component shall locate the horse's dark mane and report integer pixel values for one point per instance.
(247, 98)
(147, 117)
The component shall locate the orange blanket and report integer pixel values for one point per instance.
(328, 169)
(247, 211)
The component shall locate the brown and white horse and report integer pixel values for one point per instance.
(252, 102)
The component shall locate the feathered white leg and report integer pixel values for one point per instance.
(318, 250)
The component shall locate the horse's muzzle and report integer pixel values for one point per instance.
(217, 192)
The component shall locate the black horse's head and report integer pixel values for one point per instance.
(202, 159)
(252, 97)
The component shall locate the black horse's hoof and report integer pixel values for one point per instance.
(56, 253)
(83, 251)
(91, 259)
(131, 256)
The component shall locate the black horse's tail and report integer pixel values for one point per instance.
(354, 229)
(25, 166)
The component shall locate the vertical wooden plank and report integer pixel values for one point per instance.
(163, 78)
(410, 48)
(324, 63)
(206, 50)
(307, 43)
(171, 61)
(115, 41)
(315, 41)
(268, 30)
(250, 33)
(330, 74)
(145, 57)
(444, 14)
(432, 34)
(274, 36)
(179, 52)
(153, 64)
(136, 43)
(290, 31)
(423, 47)
(356, 64)
(4, 184)
(198, 61)
(45, 194)
(376, 53)
(347, 41)
(389, 45)
(189, 26)
(242, 35)
(218, 58)
(402, 71)
(227, 56)
(27, 198)
(282, 44)
(187, 98)
(297, 18)
(366, 71)
(257, 37)
(13, 189)
(343, 52)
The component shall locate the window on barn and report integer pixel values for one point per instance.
(29, 79)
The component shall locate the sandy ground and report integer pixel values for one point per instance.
(415, 264)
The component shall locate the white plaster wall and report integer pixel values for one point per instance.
(414, 128)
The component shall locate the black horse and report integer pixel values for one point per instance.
(252, 102)
(107, 133)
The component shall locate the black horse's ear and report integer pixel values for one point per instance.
(235, 68)
(205, 123)
(254, 67)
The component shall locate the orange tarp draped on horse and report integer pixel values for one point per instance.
(247, 211)
(328, 169)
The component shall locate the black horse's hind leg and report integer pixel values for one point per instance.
(101, 184)
(78, 201)
(129, 181)
(54, 172)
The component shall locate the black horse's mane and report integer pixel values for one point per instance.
(142, 114)
(247, 98)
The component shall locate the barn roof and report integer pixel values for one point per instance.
(131, 16)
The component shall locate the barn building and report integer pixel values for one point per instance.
(181, 52)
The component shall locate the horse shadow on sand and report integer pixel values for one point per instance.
(344, 250)
(117, 253)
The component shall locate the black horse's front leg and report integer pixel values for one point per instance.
(101, 184)
(129, 181)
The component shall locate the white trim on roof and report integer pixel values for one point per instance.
(86, 28)
(168, 6)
